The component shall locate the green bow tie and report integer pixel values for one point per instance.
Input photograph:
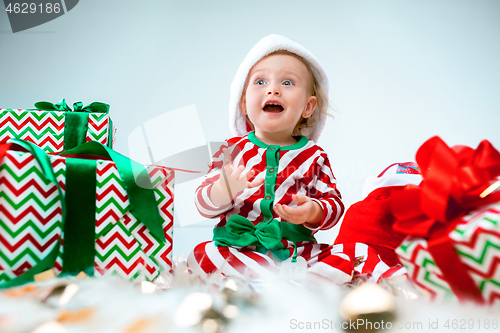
(265, 236)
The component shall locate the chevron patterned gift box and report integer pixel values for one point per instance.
(118, 242)
(57, 127)
(477, 243)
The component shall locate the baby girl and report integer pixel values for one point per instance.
(272, 186)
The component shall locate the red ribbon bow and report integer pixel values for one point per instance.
(453, 181)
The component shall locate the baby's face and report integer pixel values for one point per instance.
(278, 94)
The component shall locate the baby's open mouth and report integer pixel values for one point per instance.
(273, 107)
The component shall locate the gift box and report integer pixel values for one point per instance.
(452, 223)
(56, 127)
(73, 212)
(476, 241)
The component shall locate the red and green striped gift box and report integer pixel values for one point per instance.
(105, 231)
(57, 127)
(477, 244)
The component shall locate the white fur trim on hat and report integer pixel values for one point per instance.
(266, 46)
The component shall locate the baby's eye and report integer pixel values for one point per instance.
(288, 83)
(260, 82)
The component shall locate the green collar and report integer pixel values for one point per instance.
(301, 143)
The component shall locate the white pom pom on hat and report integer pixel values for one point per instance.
(266, 46)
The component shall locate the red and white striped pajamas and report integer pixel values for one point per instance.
(303, 168)
(324, 260)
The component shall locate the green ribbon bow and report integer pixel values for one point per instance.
(265, 236)
(95, 107)
(76, 121)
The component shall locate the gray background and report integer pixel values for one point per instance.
(400, 71)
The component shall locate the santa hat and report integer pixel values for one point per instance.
(266, 46)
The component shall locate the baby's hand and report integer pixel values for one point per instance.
(238, 181)
(222, 193)
(307, 211)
